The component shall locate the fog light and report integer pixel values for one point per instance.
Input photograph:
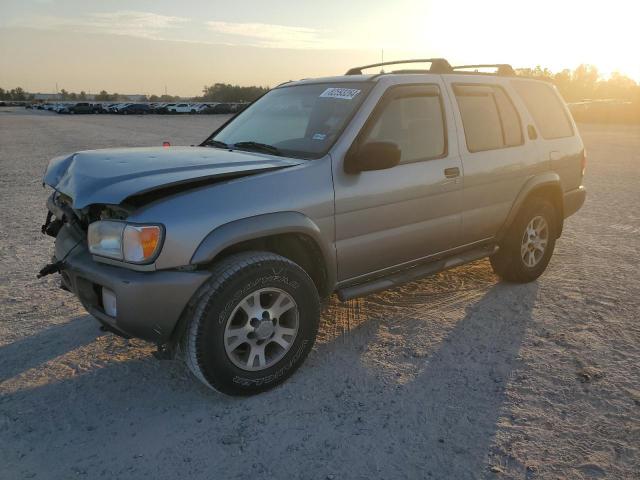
(109, 302)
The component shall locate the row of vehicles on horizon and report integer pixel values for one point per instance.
(140, 108)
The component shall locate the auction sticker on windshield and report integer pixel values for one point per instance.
(344, 93)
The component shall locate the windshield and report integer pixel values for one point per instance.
(300, 121)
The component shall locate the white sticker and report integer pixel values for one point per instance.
(319, 136)
(344, 93)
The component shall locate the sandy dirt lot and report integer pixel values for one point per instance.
(457, 376)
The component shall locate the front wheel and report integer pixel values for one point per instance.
(528, 245)
(252, 325)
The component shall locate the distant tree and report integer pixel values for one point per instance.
(17, 94)
(154, 98)
(64, 95)
(585, 82)
(82, 95)
(224, 92)
(103, 96)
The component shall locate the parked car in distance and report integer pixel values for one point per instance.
(82, 107)
(118, 107)
(62, 108)
(182, 108)
(135, 108)
(164, 108)
(216, 108)
(388, 177)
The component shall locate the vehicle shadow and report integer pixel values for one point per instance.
(31, 351)
(441, 422)
(346, 413)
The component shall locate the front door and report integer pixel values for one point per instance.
(387, 218)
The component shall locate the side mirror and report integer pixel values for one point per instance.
(372, 156)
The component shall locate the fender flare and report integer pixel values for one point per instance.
(259, 226)
(542, 180)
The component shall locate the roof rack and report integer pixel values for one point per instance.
(502, 69)
(438, 65)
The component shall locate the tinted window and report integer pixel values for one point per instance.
(489, 118)
(546, 109)
(413, 121)
(511, 126)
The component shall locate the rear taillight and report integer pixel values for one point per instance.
(166, 144)
(583, 163)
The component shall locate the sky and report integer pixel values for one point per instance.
(147, 46)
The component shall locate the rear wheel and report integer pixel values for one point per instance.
(527, 248)
(252, 325)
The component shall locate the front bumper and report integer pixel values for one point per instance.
(573, 200)
(149, 304)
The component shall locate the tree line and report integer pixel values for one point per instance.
(218, 92)
(15, 94)
(585, 82)
(224, 92)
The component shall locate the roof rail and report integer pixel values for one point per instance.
(438, 65)
(502, 69)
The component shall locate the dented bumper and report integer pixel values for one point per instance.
(148, 304)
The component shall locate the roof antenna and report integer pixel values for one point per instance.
(382, 60)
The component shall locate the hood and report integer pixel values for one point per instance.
(110, 176)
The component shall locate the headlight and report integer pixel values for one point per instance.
(122, 241)
(105, 239)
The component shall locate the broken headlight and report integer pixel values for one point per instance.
(132, 243)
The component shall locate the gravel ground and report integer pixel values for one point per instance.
(457, 376)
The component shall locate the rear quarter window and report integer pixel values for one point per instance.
(489, 118)
(546, 108)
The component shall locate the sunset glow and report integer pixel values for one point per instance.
(126, 46)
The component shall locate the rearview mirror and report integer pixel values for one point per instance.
(372, 156)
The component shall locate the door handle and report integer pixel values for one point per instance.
(452, 172)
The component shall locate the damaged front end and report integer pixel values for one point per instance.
(60, 214)
(108, 254)
(128, 302)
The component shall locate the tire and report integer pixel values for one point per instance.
(230, 363)
(520, 259)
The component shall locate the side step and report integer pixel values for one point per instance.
(414, 273)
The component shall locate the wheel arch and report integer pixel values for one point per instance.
(547, 186)
(292, 235)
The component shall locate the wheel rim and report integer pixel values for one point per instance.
(261, 329)
(534, 241)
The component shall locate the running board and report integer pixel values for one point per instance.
(414, 273)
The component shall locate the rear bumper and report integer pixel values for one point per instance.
(573, 200)
(149, 304)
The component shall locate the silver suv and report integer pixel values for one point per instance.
(351, 184)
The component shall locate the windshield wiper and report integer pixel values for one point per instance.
(216, 143)
(258, 147)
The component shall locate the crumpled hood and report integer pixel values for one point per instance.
(110, 176)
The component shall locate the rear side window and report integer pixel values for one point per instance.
(546, 109)
(489, 118)
(411, 117)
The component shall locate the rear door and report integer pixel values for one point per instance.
(558, 139)
(496, 155)
(388, 218)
